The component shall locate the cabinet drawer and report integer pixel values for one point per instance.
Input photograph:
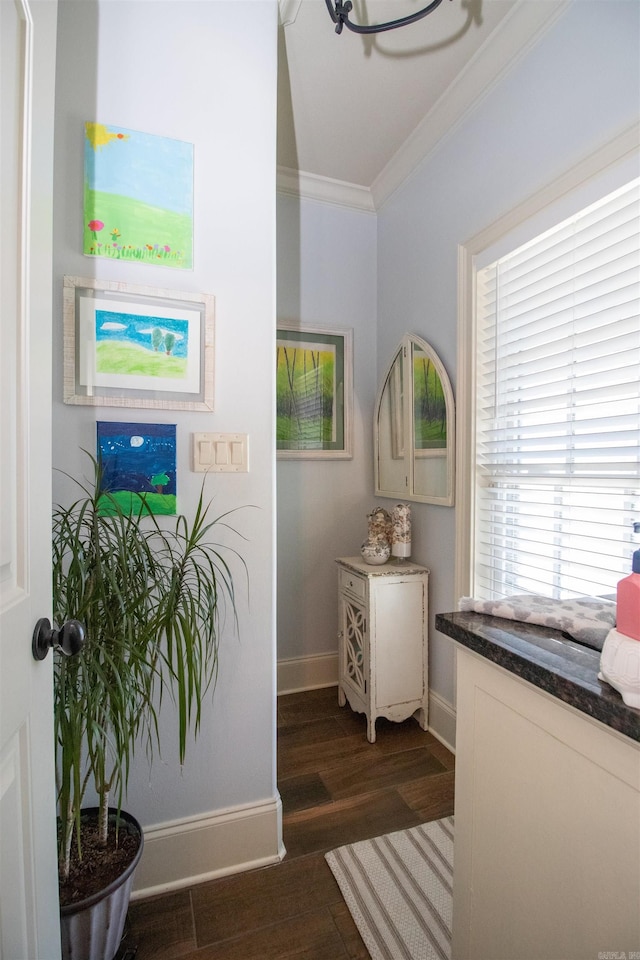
(353, 584)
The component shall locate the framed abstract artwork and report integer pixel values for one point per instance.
(314, 393)
(132, 346)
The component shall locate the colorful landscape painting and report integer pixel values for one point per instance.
(138, 197)
(139, 466)
(129, 345)
(306, 385)
(430, 408)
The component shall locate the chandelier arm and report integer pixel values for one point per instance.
(340, 16)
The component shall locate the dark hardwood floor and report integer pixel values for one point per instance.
(336, 788)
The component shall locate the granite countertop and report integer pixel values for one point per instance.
(548, 660)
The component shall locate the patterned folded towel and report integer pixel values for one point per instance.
(587, 620)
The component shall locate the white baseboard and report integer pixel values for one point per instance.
(312, 673)
(442, 721)
(307, 673)
(188, 851)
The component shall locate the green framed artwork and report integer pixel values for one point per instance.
(138, 197)
(314, 393)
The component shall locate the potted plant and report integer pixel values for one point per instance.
(152, 600)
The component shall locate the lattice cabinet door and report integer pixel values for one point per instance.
(354, 646)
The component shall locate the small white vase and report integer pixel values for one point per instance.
(375, 552)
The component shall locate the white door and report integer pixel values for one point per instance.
(29, 924)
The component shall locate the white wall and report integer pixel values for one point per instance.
(574, 91)
(326, 278)
(204, 73)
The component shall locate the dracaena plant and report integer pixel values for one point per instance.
(152, 600)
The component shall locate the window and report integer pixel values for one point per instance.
(557, 431)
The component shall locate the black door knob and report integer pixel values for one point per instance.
(68, 638)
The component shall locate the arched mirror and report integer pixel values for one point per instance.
(416, 400)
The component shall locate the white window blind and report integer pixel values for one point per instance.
(558, 407)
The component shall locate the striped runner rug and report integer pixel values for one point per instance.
(399, 891)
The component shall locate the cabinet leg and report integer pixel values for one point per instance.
(421, 716)
(371, 730)
(341, 697)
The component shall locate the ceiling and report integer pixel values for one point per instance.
(352, 108)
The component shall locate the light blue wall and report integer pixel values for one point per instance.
(573, 92)
(204, 73)
(380, 276)
(326, 278)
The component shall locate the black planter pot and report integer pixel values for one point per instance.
(92, 928)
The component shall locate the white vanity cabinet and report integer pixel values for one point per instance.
(382, 640)
(547, 846)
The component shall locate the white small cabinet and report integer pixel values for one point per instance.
(382, 640)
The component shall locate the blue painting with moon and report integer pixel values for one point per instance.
(138, 466)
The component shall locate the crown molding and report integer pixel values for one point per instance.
(313, 187)
(520, 30)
